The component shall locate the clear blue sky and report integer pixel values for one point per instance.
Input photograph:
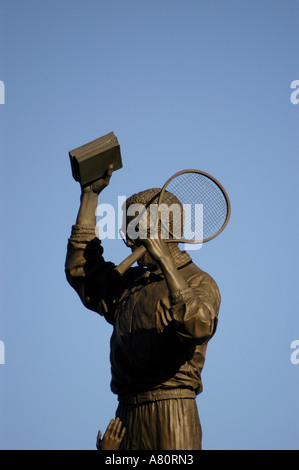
(194, 84)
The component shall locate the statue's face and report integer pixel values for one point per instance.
(134, 243)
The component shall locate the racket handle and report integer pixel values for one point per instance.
(127, 263)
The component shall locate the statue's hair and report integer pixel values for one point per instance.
(151, 196)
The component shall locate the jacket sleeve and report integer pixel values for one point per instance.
(88, 273)
(195, 309)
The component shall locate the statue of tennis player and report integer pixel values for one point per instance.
(163, 313)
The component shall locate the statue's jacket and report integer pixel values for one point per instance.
(159, 340)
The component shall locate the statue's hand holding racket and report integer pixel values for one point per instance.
(156, 248)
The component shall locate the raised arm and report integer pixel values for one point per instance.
(86, 270)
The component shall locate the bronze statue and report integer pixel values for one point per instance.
(163, 313)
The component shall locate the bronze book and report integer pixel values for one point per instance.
(90, 161)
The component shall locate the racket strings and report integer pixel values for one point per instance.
(204, 204)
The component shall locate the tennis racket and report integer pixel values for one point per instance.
(202, 211)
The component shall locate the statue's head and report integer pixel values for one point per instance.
(140, 218)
